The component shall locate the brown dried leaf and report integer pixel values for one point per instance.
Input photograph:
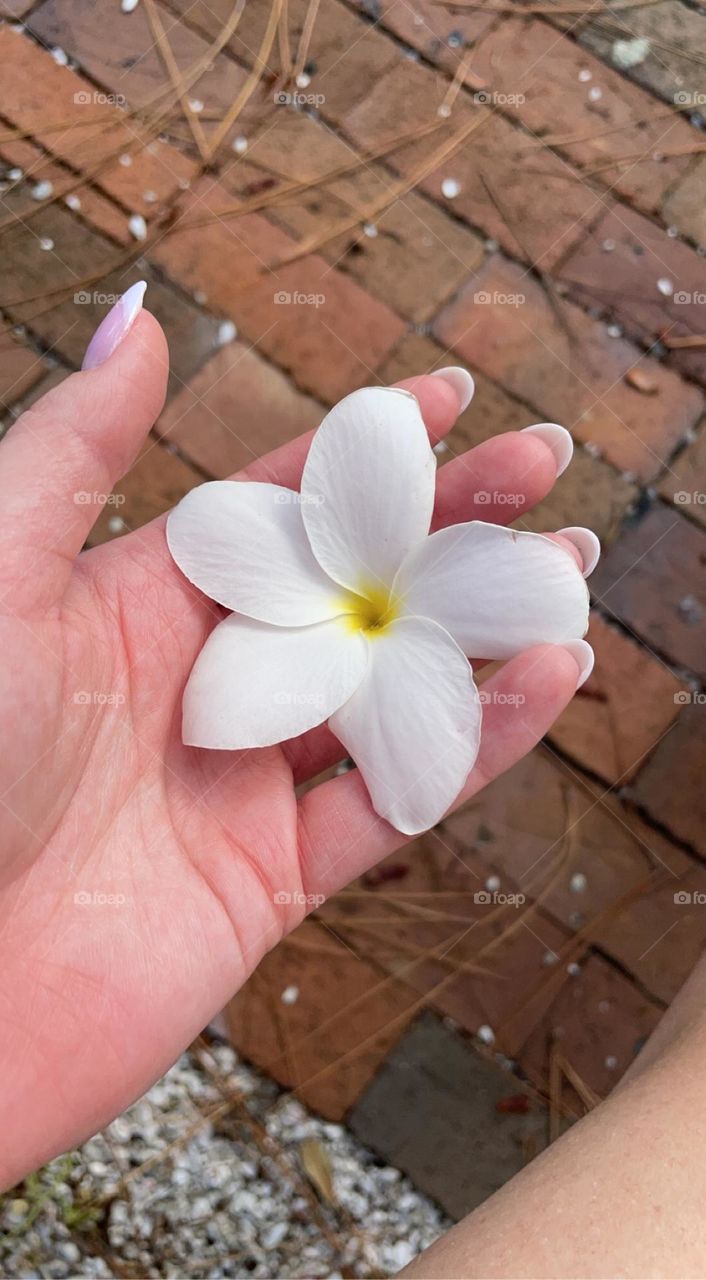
(317, 1166)
(641, 381)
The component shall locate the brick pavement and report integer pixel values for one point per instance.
(558, 252)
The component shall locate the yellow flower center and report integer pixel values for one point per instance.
(371, 609)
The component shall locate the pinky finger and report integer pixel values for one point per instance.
(340, 834)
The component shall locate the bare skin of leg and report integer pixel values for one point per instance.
(621, 1194)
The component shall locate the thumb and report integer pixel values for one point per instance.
(63, 456)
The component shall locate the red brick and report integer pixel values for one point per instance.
(673, 31)
(527, 58)
(598, 1022)
(120, 52)
(685, 481)
(95, 209)
(330, 348)
(326, 1045)
(590, 492)
(407, 98)
(417, 257)
(685, 207)
(440, 36)
(236, 408)
(530, 201)
(671, 786)
(20, 370)
(39, 92)
(623, 709)
(428, 929)
(526, 198)
(653, 580)
(572, 372)
(540, 825)
(491, 411)
(626, 282)
(62, 304)
(414, 257)
(345, 59)
(154, 484)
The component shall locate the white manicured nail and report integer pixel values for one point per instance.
(583, 654)
(558, 440)
(587, 545)
(461, 381)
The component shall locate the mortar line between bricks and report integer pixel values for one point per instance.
(624, 574)
(357, 357)
(569, 766)
(603, 609)
(38, 360)
(611, 789)
(431, 233)
(157, 441)
(665, 660)
(90, 181)
(599, 399)
(516, 125)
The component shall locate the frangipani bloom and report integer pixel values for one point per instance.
(346, 609)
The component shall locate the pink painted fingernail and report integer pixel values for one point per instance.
(461, 381)
(557, 439)
(583, 654)
(115, 326)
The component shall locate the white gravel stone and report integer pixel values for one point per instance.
(220, 1204)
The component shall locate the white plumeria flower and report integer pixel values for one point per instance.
(346, 609)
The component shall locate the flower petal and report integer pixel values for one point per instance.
(253, 685)
(244, 545)
(497, 591)
(368, 487)
(413, 725)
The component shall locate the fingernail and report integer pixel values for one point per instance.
(587, 545)
(583, 654)
(461, 381)
(115, 326)
(558, 440)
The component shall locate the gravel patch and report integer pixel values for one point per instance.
(214, 1173)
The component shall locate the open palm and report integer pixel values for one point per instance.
(141, 880)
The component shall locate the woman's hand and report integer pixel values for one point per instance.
(142, 880)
